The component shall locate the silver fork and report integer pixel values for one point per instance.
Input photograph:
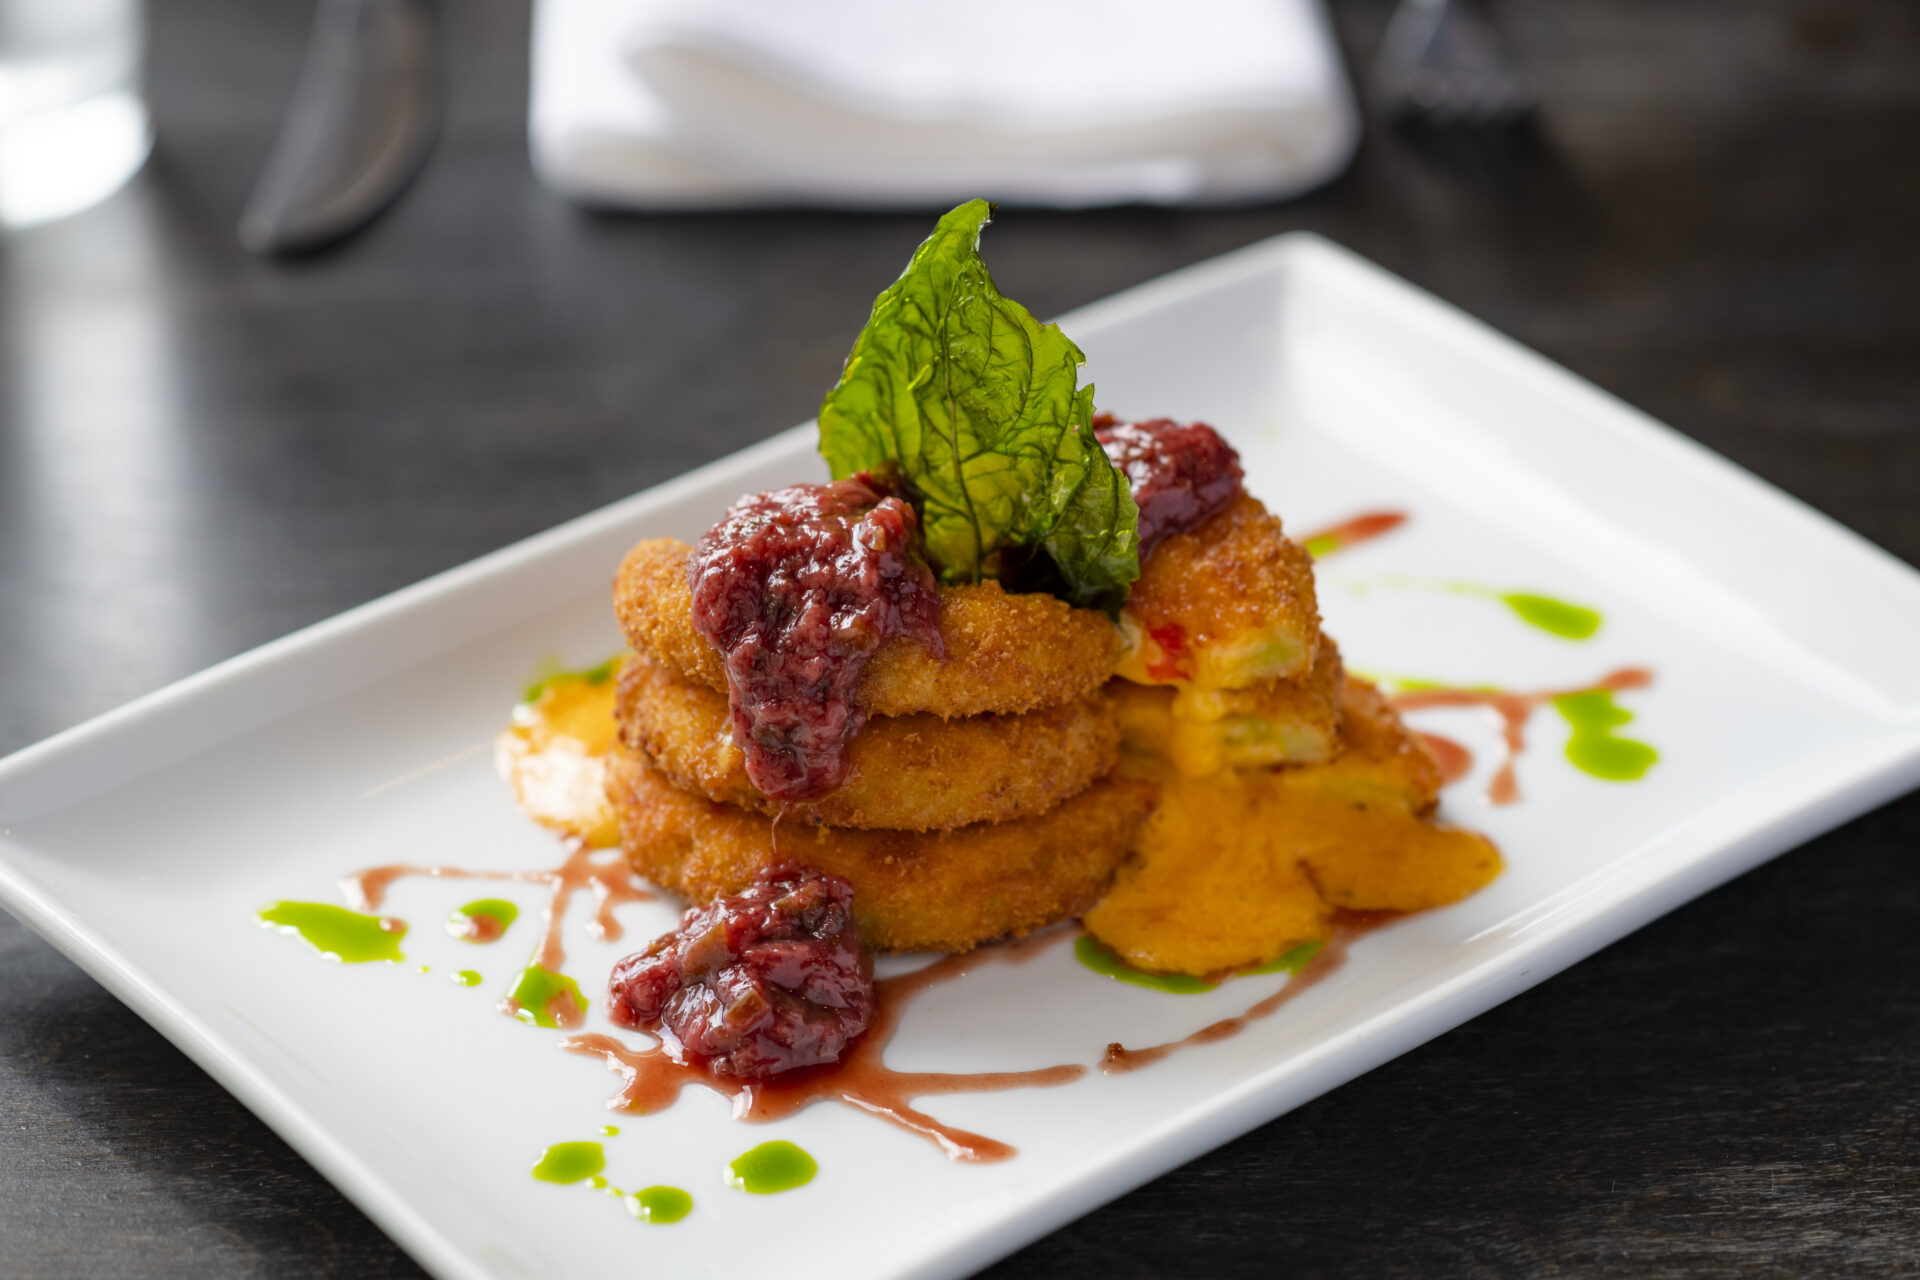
(1441, 65)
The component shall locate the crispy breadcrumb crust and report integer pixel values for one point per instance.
(933, 891)
(1234, 599)
(1381, 761)
(909, 773)
(1005, 653)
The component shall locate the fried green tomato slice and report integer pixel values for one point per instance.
(907, 773)
(1005, 653)
(912, 891)
(1226, 606)
(1196, 732)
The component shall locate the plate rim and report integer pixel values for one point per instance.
(1873, 771)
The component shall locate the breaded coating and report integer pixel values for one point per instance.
(1234, 869)
(1005, 653)
(1195, 732)
(910, 773)
(937, 891)
(1381, 762)
(1224, 607)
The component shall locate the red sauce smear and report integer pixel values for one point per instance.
(1364, 527)
(862, 1079)
(1454, 759)
(612, 883)
(798, 588)
(480, 928)
(1514, 711)
(1181, 474)
(1348, 927)
(562, 1008)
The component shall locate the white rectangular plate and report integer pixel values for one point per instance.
(1785, 702)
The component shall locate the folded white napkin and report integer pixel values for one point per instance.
(918, 103)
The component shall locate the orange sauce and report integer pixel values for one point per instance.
(1233, 869)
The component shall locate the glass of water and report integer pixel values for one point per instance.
(73, 126)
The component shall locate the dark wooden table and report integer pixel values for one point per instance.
(200, 451)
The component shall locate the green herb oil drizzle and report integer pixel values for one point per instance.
(552, 672)
(1594, 748)
(1556, 617)
(498, 915)
(337, 933)
(570, 1162)
(1289, 961)
(536, 992)
(771, 1167)
(1089, 951)
(660, 1205)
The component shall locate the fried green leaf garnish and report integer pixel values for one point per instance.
(958, 391)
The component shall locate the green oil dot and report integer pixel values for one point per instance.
(467, 977)
(482, 920)
(1088, 950)
(770, 1167)
(1594, 747)
(661, 1205)
(568, 1162)
(539, 990)
(1391, 683)
(597, 1182)
(610, 1130)
(1556, 617)
(335, 932)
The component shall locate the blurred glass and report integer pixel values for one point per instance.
(73, 126)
